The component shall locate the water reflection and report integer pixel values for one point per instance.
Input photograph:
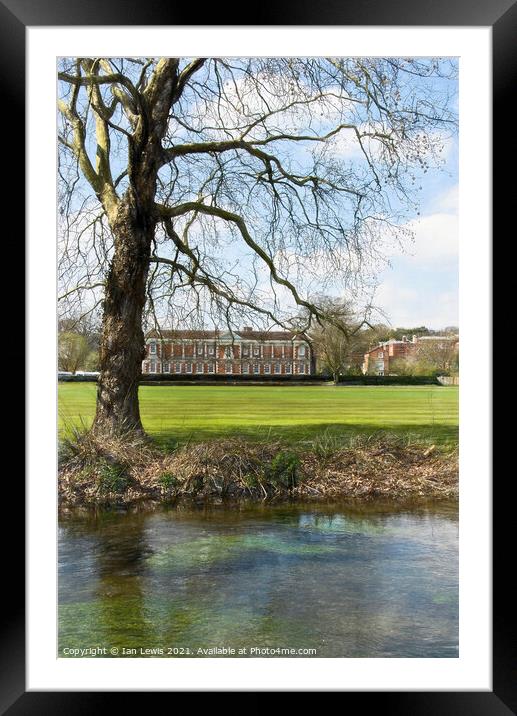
(372, 581)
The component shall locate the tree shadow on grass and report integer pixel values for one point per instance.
(305, 435)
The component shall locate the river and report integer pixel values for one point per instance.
(250, 580)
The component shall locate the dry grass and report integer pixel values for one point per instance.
(129, 469)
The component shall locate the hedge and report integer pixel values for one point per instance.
(389, 380)
(166, 378)
(204, 378)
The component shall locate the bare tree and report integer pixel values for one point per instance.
(73, 351)
(438, 355)
(337, 337)
(227, 186)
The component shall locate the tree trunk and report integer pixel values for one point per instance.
(122, 345)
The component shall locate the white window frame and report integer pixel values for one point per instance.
(152, 366)
(166, 368)
(210, 350)
(301, 369)
(301, 351)
(256, 369)
(202, 368)
(267, 368)
(211, 368)
(245, 367)
(228, 363)
(278, 368)
(177, 367)
(188, 367)
(289, 368)
(152, 348)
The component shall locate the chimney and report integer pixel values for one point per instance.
(247, 329)
(415, 339)
(404, 339)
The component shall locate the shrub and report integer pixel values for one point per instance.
(283, 469)
(168, 481)
(250, 481)
(112, 477)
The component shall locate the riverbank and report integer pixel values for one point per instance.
(122, 471)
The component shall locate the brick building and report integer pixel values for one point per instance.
(245, 352)
(379, 360)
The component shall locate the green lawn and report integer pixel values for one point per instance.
(294, 414)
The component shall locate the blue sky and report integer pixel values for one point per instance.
(421, 285)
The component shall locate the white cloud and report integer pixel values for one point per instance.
(435, 239)
(405, 306)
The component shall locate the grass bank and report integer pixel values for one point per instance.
(292, 415)
(123, 471)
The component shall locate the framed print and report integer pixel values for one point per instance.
(187, 527)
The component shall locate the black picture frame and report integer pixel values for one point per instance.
(15, 16)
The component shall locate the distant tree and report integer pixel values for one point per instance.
(429, 357)
(436, 357)
(92, 361)
(85, 325)
(337, 339)
(387, 332)
(73, 351)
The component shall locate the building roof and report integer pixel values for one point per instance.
(384, 344)
(438, 338)
(228, 335)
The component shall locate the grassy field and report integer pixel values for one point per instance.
(294, 414)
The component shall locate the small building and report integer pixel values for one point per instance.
(379, 360)
(244, 352)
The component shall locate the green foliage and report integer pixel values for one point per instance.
(326, 444)
(283, 469)
(250, 481)
(169, 444)
(168, 481)
(112, 477)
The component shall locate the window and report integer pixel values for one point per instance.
(277, 367)
(152, 367)
(301, 350)
(200, 349)
(152, 347)
(256, 351)
(245, 351)
(228, 353)
(188, 367)
(210, 367)
(288, 368)
(177, 367)
(199, 368)
(166, 368)
(255, 367)
(210, 350)
(228, 367)
(267, 368)
(246, 368)
(301, 368)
